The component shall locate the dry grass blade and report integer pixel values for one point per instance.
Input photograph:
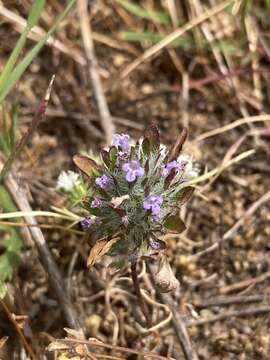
(105, 116)
(236, 123)
(45, 255)
(173, 36)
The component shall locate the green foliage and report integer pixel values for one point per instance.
(159, 17)
(8, 134)
(10, 242)
(11, 73)
(184, 41)
(33, 17)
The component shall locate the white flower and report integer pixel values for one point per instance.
(191, 168)
(67, 180)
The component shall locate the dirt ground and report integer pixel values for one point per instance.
(224, 294)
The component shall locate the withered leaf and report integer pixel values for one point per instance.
(86, 165)
(100, 248)
(184, 195)
(177, 147)
(174, 224)
(151, 134)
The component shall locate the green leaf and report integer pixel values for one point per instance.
(35, 12)
(113, 156)
(86, 165)
(174, 224)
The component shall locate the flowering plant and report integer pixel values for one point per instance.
(136, 193)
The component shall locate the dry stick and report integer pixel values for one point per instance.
(224, 301)
(233, 230)
(141, 301)
(18, 329)
(38, 117)
(45, 255)
(174, 35)
(236, 313)
(178, 324)
(106, 120)
(245, 283)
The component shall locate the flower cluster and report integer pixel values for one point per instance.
(136, 192)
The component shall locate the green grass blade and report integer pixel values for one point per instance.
(12, 60)
(22, 66)
(141, 37)
(135, 9)
(33, 17)
(12, 243)
(35, 12)
(13, 127)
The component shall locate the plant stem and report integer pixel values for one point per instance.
(142, 303)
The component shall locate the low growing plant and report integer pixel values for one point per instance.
(131, 199)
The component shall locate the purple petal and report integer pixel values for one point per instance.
(146, 205)
(130, 176)
(140, 171)
(125, 167)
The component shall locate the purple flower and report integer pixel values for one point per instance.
(133, 170)
(102, 181)
(121, 140)
(87, 223)
(96, 203)
(152, 203)
(166, 169)
(156, 245)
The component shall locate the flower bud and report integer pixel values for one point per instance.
(165, 279)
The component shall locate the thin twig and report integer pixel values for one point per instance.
(44, 253)
(245, 283)
(178, 324)
(105, 117)
(230, 314)
(229, 300)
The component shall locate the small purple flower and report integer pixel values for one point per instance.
(156, 245)
(102, 181)
(96, 203)
(133, 170)
(87, 223)
(152, 203)
(166, 169)
(121, 140)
